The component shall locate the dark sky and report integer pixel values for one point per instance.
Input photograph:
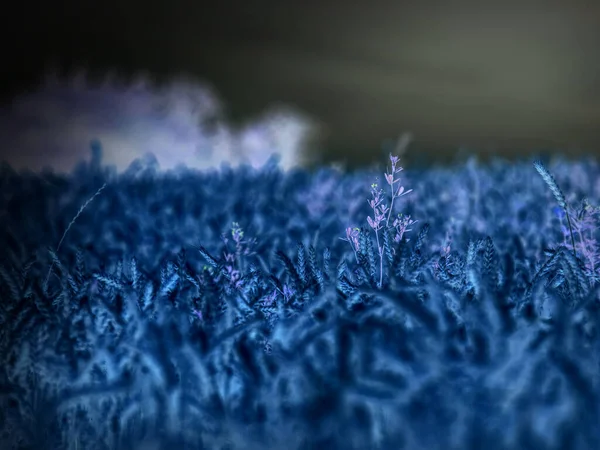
(516, 75)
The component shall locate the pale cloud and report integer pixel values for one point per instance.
(180, 123)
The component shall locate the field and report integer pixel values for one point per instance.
(447, 308)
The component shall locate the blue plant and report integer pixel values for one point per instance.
(167, 326)
(584, 221)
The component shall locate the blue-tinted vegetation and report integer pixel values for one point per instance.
(261, 309)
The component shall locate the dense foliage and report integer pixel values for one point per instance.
(260, 309)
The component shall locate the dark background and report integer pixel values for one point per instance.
(493, 76)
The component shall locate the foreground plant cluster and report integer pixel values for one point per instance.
(261, 309)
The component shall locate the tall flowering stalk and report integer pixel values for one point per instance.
(389, 177)
(581, 221)
(584, 224)
(381, 213)
(242, 247)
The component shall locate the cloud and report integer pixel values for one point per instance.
(180, 122)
